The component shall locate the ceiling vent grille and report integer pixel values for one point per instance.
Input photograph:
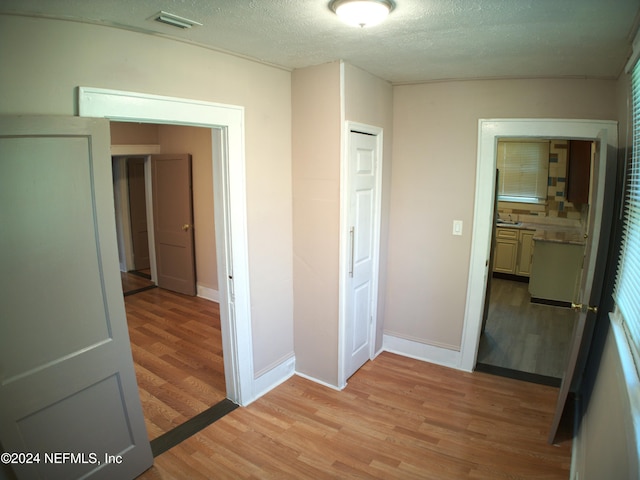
(175, 20)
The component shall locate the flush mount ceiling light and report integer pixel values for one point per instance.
(362, 13)
(175, 20)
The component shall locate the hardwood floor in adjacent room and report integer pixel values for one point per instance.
(177, 353)
(134, 281)
(398, 418)
(525, 336)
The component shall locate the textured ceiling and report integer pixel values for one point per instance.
(422, 40)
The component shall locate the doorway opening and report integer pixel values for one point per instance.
(226, 124)
(489, 132)
(132, 223)
(536, 259)
(175, 336)
(605, 135)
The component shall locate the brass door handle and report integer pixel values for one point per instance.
(186, 227)
(578, 307)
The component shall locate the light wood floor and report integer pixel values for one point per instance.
(524, 336)
(398, 418)
(177, 353)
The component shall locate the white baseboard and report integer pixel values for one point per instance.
(422, 351)
(271, 377)
(319, 382)
(274, 376)
(208, 293)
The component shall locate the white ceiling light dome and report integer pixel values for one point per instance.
(362, 13)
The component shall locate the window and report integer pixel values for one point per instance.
(523, 167)
(627, 290)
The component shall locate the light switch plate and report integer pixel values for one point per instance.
(457, 227)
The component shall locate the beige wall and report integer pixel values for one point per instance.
(433, 182)
(316, 101)
(321, 95)
(369, 100)
(606, 443)
(123, 133)
(49, 59)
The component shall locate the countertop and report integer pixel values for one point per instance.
(550, 233)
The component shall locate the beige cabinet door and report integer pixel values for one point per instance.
(525, 253)
(506, 251)
(67, 383)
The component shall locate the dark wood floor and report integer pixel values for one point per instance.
(398, 418)
(524, 336)
(177, 352)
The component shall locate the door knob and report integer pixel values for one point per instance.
(578, 307)
(186, 227)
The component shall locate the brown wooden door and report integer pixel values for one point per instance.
(138, 213)
(173, 222)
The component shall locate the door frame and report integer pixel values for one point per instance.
(228, 157)
(123, 219)
(350, 126)
(489, 131)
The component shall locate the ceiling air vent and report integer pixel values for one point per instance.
(175, 20)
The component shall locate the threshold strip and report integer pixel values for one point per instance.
(138, 273)
(518, 375)
(192, 426)
(139, 290)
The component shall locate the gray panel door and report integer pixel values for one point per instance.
(68, 392)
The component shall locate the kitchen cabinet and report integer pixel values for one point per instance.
(506, 250)
(556, 270)
(525, 253)
(513, 251)
(579, 171)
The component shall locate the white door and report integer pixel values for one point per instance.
(68, 393)
(361, 290)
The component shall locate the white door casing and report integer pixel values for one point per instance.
(137, 200)
(67, 382)
(489, 131)
(362, 167)
(227, 124)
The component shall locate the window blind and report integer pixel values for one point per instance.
(524, 168)
(627, 289)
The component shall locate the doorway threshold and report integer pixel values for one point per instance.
(518, 375)
(192, 426)
(139, 290)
